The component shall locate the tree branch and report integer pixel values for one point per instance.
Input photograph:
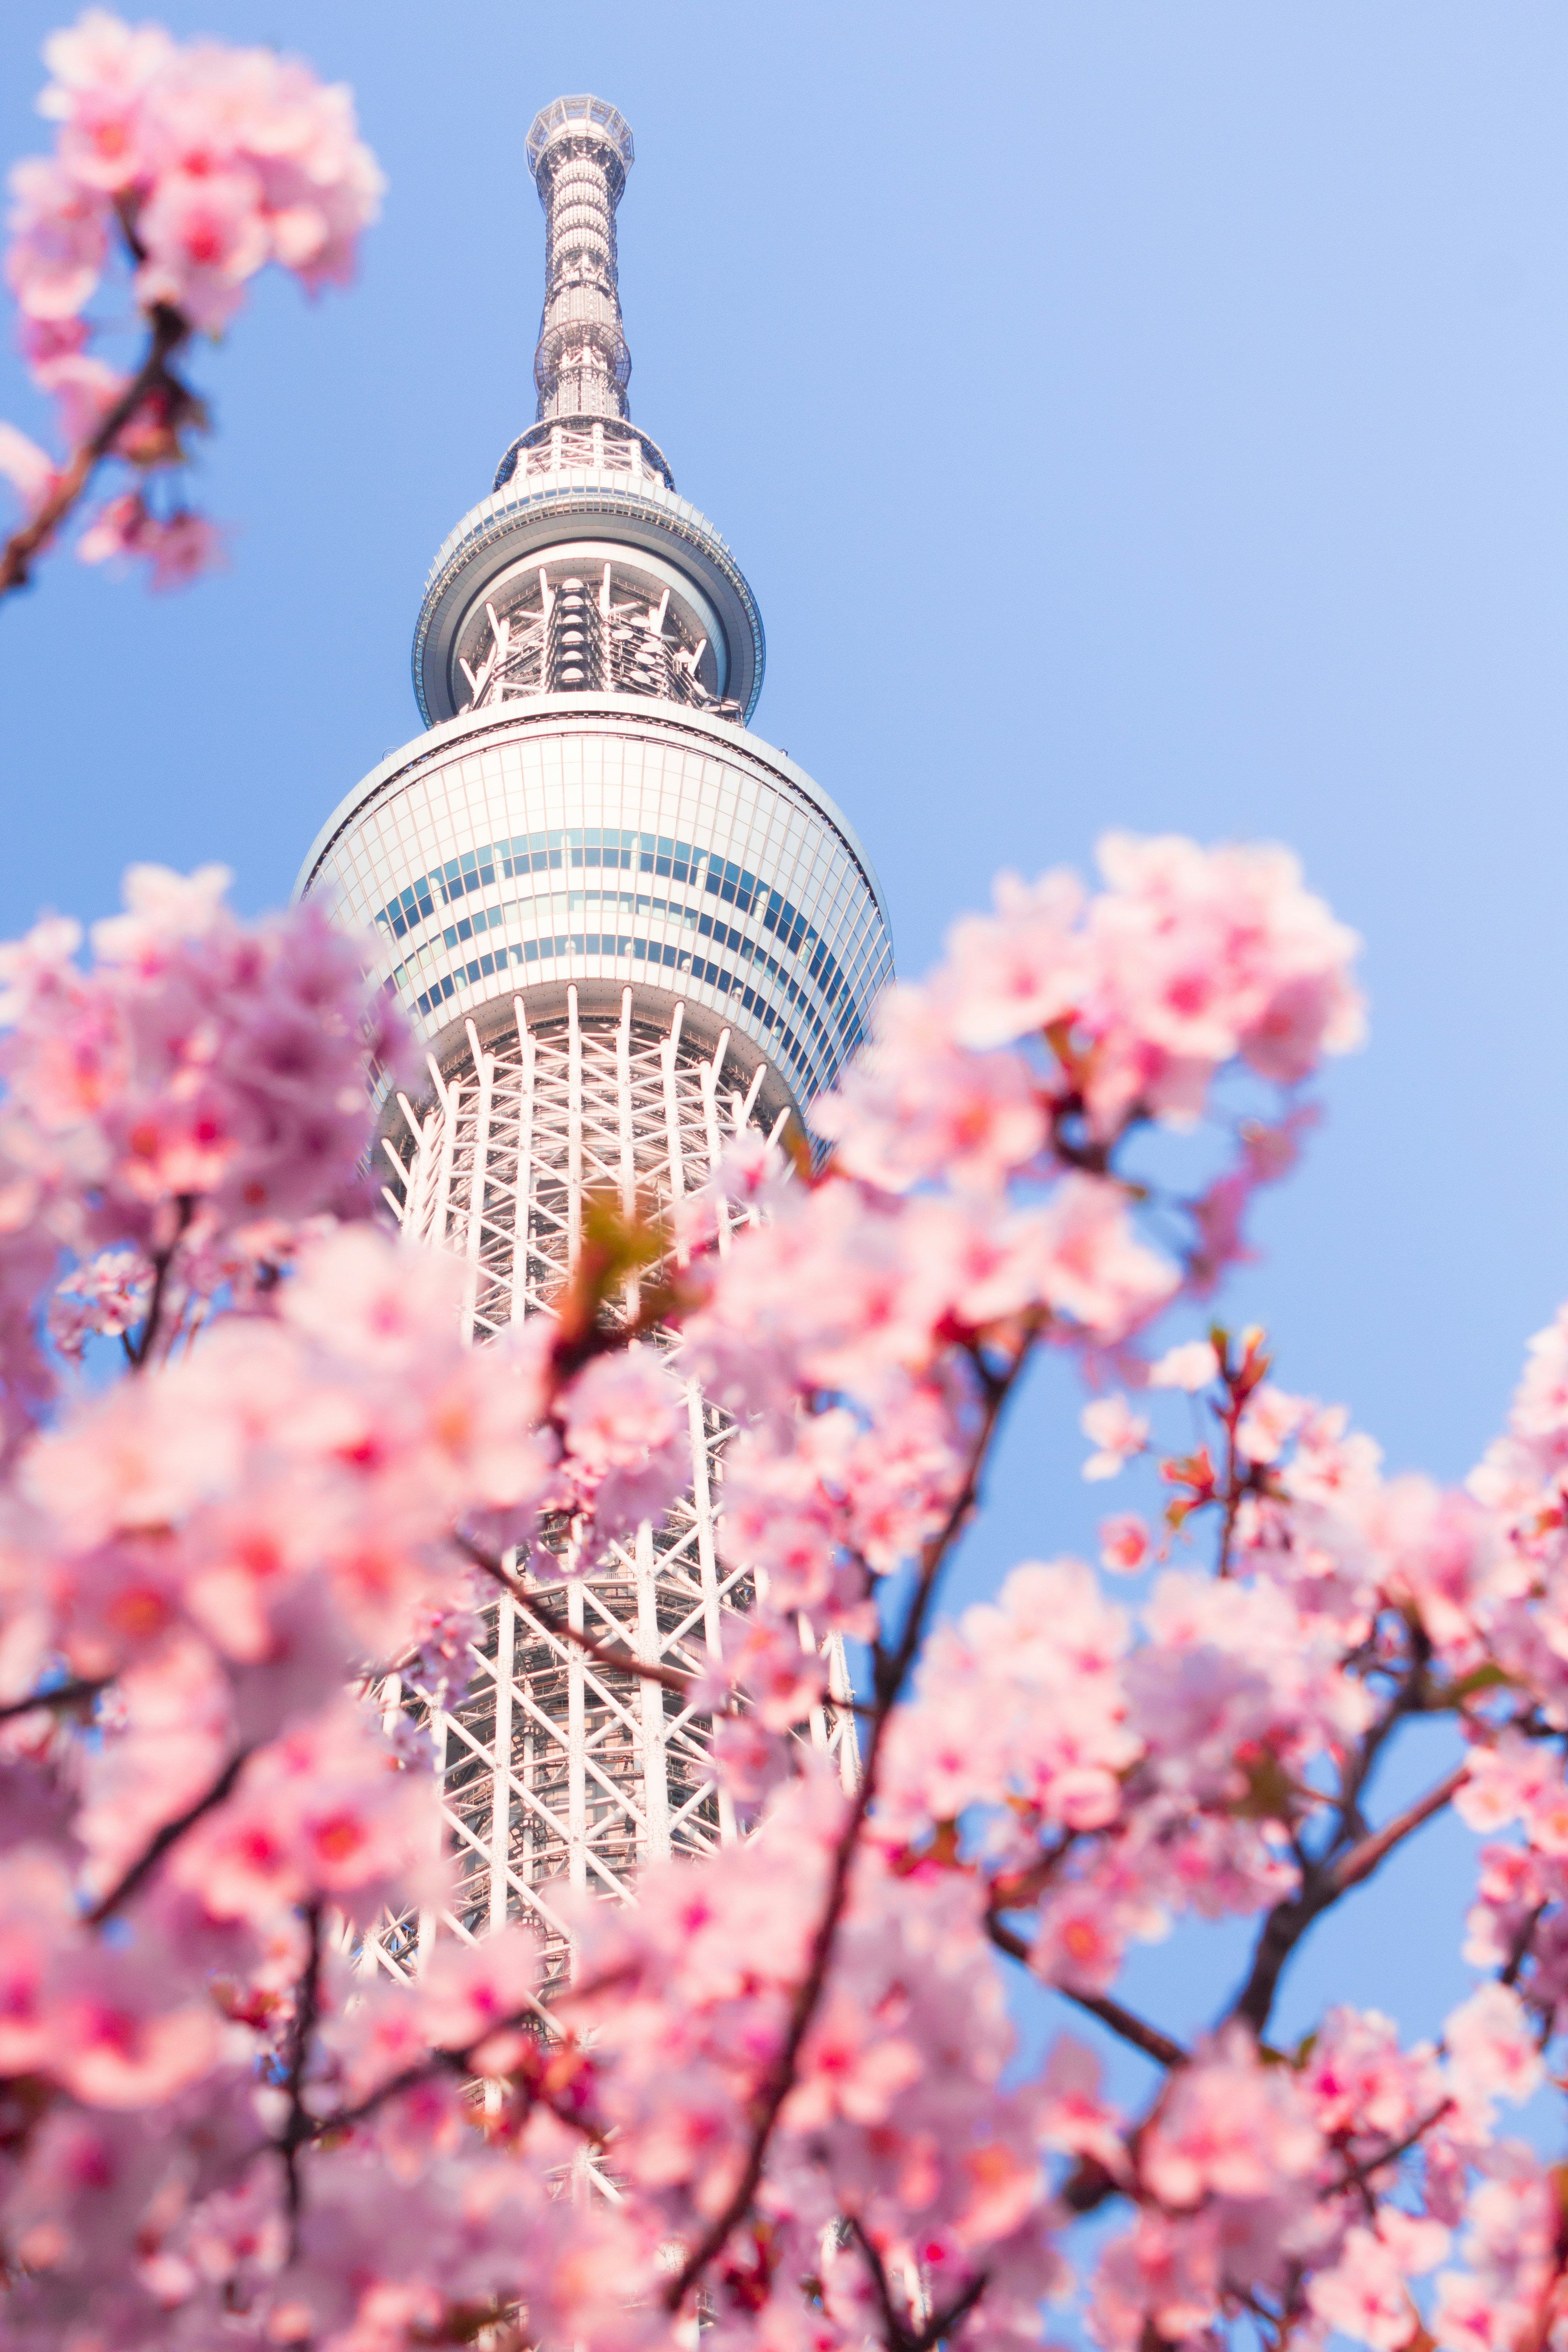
(892, 1674)
(170, 1835)
(1122, 2021)
(140, 1351)
(463, 2064)
(1289, 1921)
(71, 1693)
(297, 2129)
(169, 330)
(618, 1657)
(943, 2323)
(897, 2332)
(1391, 2155)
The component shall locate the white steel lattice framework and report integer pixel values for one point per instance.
(626, 928)
(552, 1766)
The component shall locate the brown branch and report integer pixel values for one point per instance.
(895, 2329)
(1111, 2013)
(71, 1693)
(463, 2064)
(170, 1835)
(1392, 2154)
(1289, 1921)
(943, 2323)
(142, 1349)
(1509, 1973)
(619, 1657)
(297, 2130)
(891, 1671)
(169, 330)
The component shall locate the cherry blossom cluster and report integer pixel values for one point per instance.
(782, 2095)
(190, 166)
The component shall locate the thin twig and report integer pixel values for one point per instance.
(943, 2323)
(1123, 2022)
(891, 1671)
(619, 1657)
(1289, 1921)
(463, 2064)
(297, 2129)
(897, 2330)
(1510, 1974)
(142, 1349)
(1392, 2154)
(169, 330)
(170, 1835)
(71, 1693)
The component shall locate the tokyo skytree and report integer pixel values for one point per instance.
(626, 928)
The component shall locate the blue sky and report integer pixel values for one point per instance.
(1126, 415)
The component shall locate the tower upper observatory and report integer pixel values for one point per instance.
(587, 808)
(484, 632)
(627, 929)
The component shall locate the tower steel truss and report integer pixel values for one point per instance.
(552, 1766)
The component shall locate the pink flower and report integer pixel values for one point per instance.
(321, 1814)
(177, 548)
(1124, 1543)
(205, 235)
(28, 469)
(850, 2069)
(784, 1678)
(1020, 969)
(1230, 2126)
(101, 70)
(1365, 2296)
(1116, 1431)
(59, 240)
(1213, 952)
(917, 1105)
(110, 1295)
(1491, 2048)
(1268, 1420)
(1191, 1366)
(1095, 1270)
(628, 1444)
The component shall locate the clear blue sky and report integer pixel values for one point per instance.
(1126, 415)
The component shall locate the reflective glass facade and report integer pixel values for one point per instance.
(580, 838)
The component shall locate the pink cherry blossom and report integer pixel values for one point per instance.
(187, 168)
(1490, 2045)
(1364, 2296)
(177, 548)
(1191, 1366)
(1116, 1431)
(1124, 1543)
(28, 469)
(791, 2062)
(1231, 2128)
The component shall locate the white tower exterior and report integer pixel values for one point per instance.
(624, 927)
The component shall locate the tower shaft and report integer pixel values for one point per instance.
(625, 928)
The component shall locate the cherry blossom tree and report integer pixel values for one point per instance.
(246, 1466)
(179, 170)
(781, 2092)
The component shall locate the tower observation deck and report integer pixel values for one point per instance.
(624, 927)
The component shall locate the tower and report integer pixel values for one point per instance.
(625, 927)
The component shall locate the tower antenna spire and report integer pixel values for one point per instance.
(579, 152)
